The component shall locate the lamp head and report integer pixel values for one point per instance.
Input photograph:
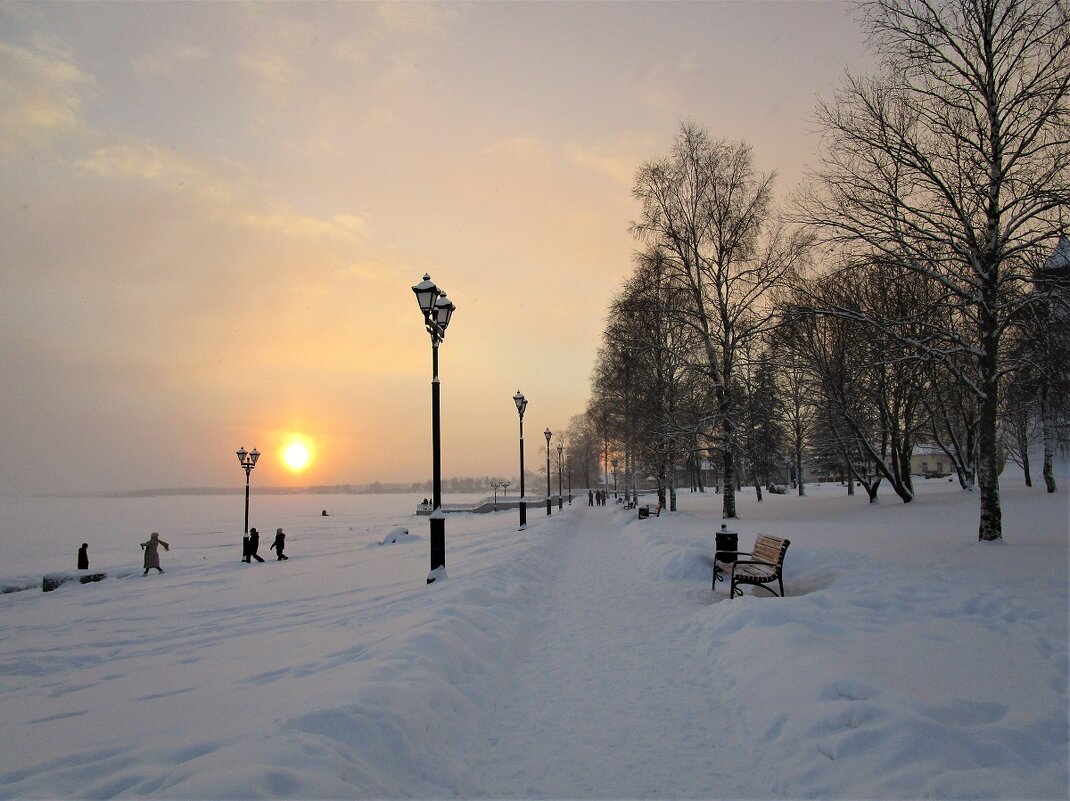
(444, 309)
(426, 295)
(548, 434)
(521, 403)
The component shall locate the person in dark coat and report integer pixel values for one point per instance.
(152, 556)
(83, 556)
(254, 545)
(279, 544)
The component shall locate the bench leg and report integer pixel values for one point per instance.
(718, 575)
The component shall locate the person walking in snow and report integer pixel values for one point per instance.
(83, 556)
(254, 546)
(590, 497)
(152, 556)
(278, 545)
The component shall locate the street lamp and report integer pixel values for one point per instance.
(548, 434)
(570, 480)
(437, 310)
(521, 404)
(247, 459)
(498, 485)
(560, 493)
(615, 479)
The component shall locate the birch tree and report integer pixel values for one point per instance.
(710, 213)
(954, 163)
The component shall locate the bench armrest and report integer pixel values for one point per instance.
(737, 553)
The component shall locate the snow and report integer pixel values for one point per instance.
(583, 657)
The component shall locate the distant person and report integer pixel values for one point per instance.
(590, 497)
(83, 556)
(254, 546)
(278, 545)
(152, 556)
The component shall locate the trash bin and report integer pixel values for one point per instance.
(726, 541)
(644, 512)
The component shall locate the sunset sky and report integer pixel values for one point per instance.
(211, 215)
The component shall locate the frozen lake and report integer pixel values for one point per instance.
(42, 535)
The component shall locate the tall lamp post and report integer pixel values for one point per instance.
(437, 310)
(521, 404)
(615, 479)
(560, 489)
(548, 434)
(570, 481)
(247, 459)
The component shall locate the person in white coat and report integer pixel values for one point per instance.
(152, 556)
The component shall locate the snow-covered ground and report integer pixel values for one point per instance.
(584, 657)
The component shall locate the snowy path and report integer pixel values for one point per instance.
(587, 712)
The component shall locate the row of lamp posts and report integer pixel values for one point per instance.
(437, 309)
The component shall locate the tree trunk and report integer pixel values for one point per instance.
(672, 485)
(1049, 439)
(799, 470)
(728, 506)
(990, 527)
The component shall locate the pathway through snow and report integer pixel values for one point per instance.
(587, 711)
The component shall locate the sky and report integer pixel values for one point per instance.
(211, 215)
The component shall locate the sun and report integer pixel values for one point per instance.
(296, 456)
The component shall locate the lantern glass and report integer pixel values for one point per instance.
(241, 455)
(548, 434)
(254, 454)
(426, 294)
(443, 311)
(521, 402)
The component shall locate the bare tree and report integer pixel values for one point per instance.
(871, 389)
(710, 213)
(1041, 380)
(954, 163)
(583, 450)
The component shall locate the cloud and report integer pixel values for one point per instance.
(343, 227)
(615, 166)
(519, 146)
(235, 197)
(151, 65)
(272, 70)
(40, 99)
(349, 51)
(409, 17)
(163, 167)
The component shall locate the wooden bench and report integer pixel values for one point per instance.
(763, 569)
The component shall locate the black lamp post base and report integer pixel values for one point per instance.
(438, 543)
